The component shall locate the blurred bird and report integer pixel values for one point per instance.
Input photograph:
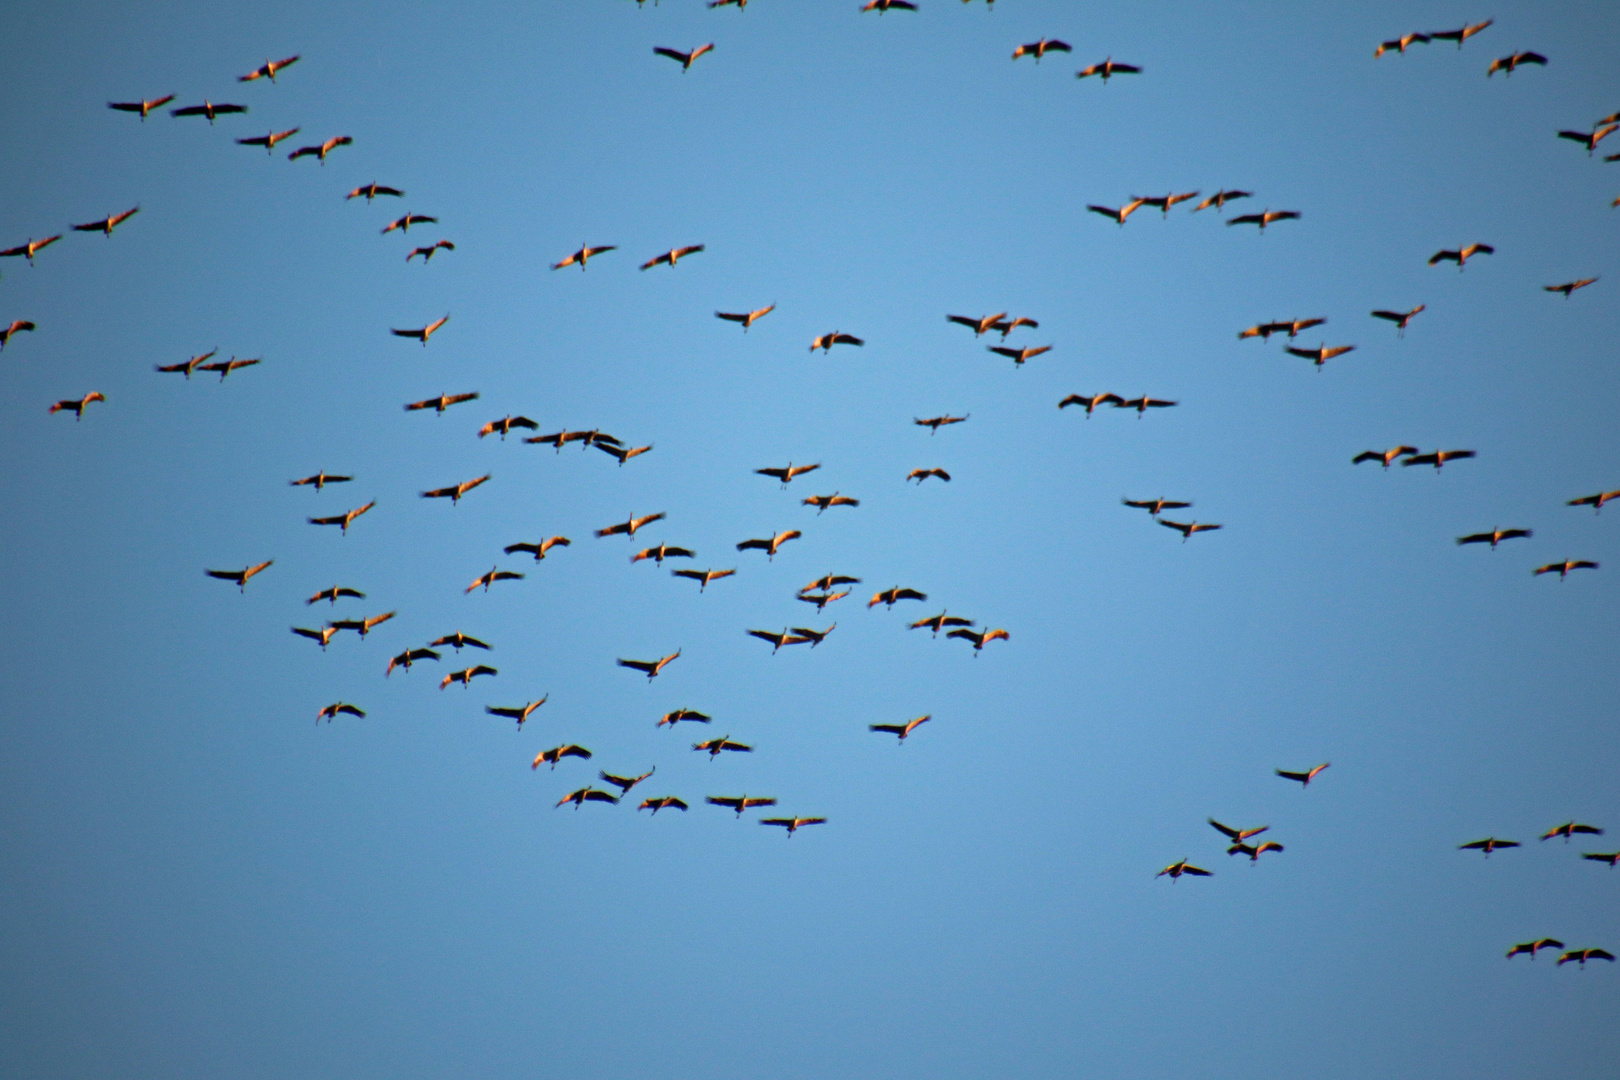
(890, 597)
(1399, 318)
(822, 502)
(30, 249)
(343, 521)
(1569, 286)
(404, 224)
(814, 637)
(1165, 202)
(1590, 139)
(1383, 457)
(407, 658)
(19, 325)
(672, 256)
(777, 640)
(828, 582)
(331, 595)
(1107, 70)
(826, 341)
(1461, 255)
(1091, 402)
(1176, 869)
(363, 626)
(623, 453)
(934, 423)
(440, 403)
(1188, 528)
(77, 407)
(669, 801)
(142, 107)
(978, 326)
(583, 255)
(208, 109)
(880, 6)
(268, 71)
(1237, 836)
(423, 334)
(1264, 218)
(702, 577)
(787, 474)
(185, 367)
(1040, 48)
(1570, 828)
(239, 576)
(427, 252)
(738, 803)
(494, 575)
(1487, 845)
(1533, 947)
(1494, 537)
(455, 493)
(770, 545)
(556, 754)
(587, 794)
(650, 667)
(1254, 851)
(335, 708)
(323, 635)
(902, 730)
(1143, 404)
(625, 783)
(1507, 64)
(1303, 778)
(1221, 198)
(372, 190)
(794, 824)
(1321, 354)
(1120, 214)
(1462, 35)
(537, 550)
(467, 675)
(505, 424)
(980, 638)
(684, 58)
(319, 480)
(629, 527)
(1565, 567)
(1581, 956)
(1595, 501)
(670, 719)
(225, 367)
(1612, 858)
(936, 623)
(660, 553)
(269, 140)
(714, 747)
(746, 318)
(108, 223)
(1007, 326)
(1438, 458)
(520, 713)
(1018, 356)
(821, 600)
(1154, 507)
(458, 639)
(322, 150)
(1400, 44)
(920, 475)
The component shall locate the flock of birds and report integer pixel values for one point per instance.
(830, 588)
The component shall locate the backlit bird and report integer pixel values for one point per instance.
(902, 730)
(936, 623)
(625, 783)
(1107, 70)
(1570, 828)
(793, 824)
(322, 150)
(269, 140)
(1383, 457)
(1221, 198)
(185, 367)
(208, 109)
(440, 403)
(108, 223)
(890, 597)
(822, 502)
(777, 640)
(520, 713)
(746, 318)
(1533, 947)
(1400, 44)
(77, 407)
(650, 668)
(505, 424)
(771, 545)
(423, 334)
(1581, 956)
(738, 803)
(786, 475)
(331, 595)
(407, 658)
(335, 708)
(1303, 778)
(1461, 255)
(667, 802)
(455, 493)
(1264, 218)
(1007, 326)
(1437, 458)
(1595, 501)
(1040, 48)
(623, 453)
(1118, 214)
(1487, 845)
(1507, 64)
(672, 256)
(560, 438)
(323, 635)
(1462, 35)
(978, 326)
(1176, 869)
(934, 423)
(240, 576)
(684, 58)
(557, 753)
(1569, 286)
(821, 600)
(1494, 537)
(629, 527)
(980, 638)
(30, 249)
(1253, 851)
(670, 719)
(1155, 507)
(1321, 354)
(1018, 356)
(268, 70)
(343, 521)
(403, 224)
(427, 252)
(715, 747)
(1399, 318)
(880, 6)
(1165, 202)
(494, 575)
(702, 577)
(1143, 404)
(372, 190)
(826, 341)
(537, 550)
(319, 480)
(587, 794)
(1186, 529)
(363, 626)
(225, 367)
(1590, 139)
(1237, 836)
(813, 636)
(828, 582)
(1612, 858)
(661, 552)
(467, 675)
(19, 325)
(458, 639)
(1291, 327)
(142, 107)
(583, 255)
(1091, 403)
(920, 475)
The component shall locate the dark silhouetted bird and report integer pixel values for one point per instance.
(108, 223)
(1383, 457)
(343, 521)
(1091, 403)
(1399, 318)
(794, 824)
(936, 623)
(1595, 501)
(672, 256)
(505, 424)
(1437, 458)
(1107, 70)
(1254, 851)
(980, 638)
(269, 139)
(20, 325)
(1186, 529)
(1321, 354)
(890, 597)
(1590, 139)
(978, 326)
(372, 190)
(814, 637)
(1237, 836)
(702, 577)
(142, 107)
(1400, 44)
(1462, 35)
(319, 480)
(409, 657)
(1494, 537)
(1264, 218)
(225, 367)
(668, 802)
(440, 403)
(77, 406)
(30, 249)
(467, 675)
(787, 474)
(1143, 404)
(625, 783)
(901, 730)
(1569, 286)
(684, 58)
(1155, 507)
(1461, 255)
(1118, 214)
(404, 224)
(587, 794)
(458, 639)
(822, 502)
(714, 747)
(1487, 845)
(777, 640)
(828, 582)
(455, 492)
(1221, 198)
(208, 109)
(738, 803)
(1040, 48)
(583, 255)
(934, 423)
(557, 753)
(1303, 778)
(520, 713)
(363, 626)
(1176, 869)
(323, 635)
(537, 550)
(322, 150)
(1533, 947)
(1612, 858)
(1018, 356)
(1581, 956)
(670, 719)
(660, 553)
(335, 708)
(423, 334)
(629, 527)
(770, 545)
(268, 71)
(623, 453)
(240, 576)
(650, 667)
(1507, 64)
(826, 341)
(494, 575)
(920, 475)
(427, 252)
(1570, 828)
(331, 595)
(746, 318)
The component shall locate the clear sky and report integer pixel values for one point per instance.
(201, 881)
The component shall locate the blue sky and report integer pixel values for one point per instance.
(200, 880)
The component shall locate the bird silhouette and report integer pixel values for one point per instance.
(225, 367)
(1007, 326)
(670, 719)
(650, 668)
(1090, 403)
(1237, 836)
(672, 256)
(715, 747)
(269, 139)
(1187, 529)
(372, 190)
(1253, 851)
(240, 576)
(738, 803)
(1487, 845)
(1590, 139)
(428, 252)
(629, 527)
(1569, 286)
(920, 475)
(936, 623)
(338, 707)
(827, 582)
(1437, 458)
(1040, 48)
(1321, 354)
(141, 107)
(1303, 778)
(455, 492)
(404, 224)
(1461, 35)
(980, 638)
(1107, 70)
(458, 639)
(585, 795)
(520, 713)
(1165, 202)
(890, 597)
(1533, 947)
(901, 730)
(684, 58)
(1494, 537)
(20, 325)
(320, 151)
(1570, 828)
(668, 802)
(1143, 404)
(363, 626)
(623, 453)
(1612, 858)
(1221, 198)
(108, 223)
(467, 675)
(1399, 318)
(1117, 214)
(1460, 256)
(660, 553)
(625, 783)
(319, 480)
(786, 475)
(268, 71)
(822, 502)
(1595, 501)
(77, 406)
(880, 6)
(494, 575)
(1018, 356)
(770, 545)
(1155, 507)
(423, 334)
(1264, 218)
(1400, 44)
(826, 341)
(331, 595)
(440, 403)
(505, 424)
(1508, 64)
(778, 640)
(321, 636)
(813, 636)
(537, 550)
(934, 423)
(746, 318)
(30, 249)
(794, 824)
(702, 577)
(978, 326)
(557, 753)
(408, 658)
(1581, 956)
(1176, 869)
(208, 109)
(1563, 568)
(343, 521)
(583, 255)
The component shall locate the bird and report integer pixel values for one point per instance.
(1018, 356)
(880, 6)
(1091, 403)
(936, 623)
(1007, 326)
(1321, 354)
(404, 224)
(587, 794)
(269, 139)
(794, 824)
(30, 249)
(440, 403)
(1154, 507)
(890, 597)
(343, 521)
(821, 600)
(558, 439)
(1570, 828)
(1564, 567)
(427, 252)
(901, 730)
(629, 527)
(672, 256)
(1461, 255)
(1494, 537)
(1291, 328)
(1569, 286)
(1165, 202)
(738, 803)
(670, 719)
(1507, 64)
(467, 675)
(1595, 501)
(268, 71)
(338, 707)
(1254, 851)
(934, 423)
(1438, 458)
(777, 640)
(1400, 44)
(322, 150)
(494, 575)
(625, 783)
(240, 576)
(208, 109)
(185, 367)
(556, 754)
(323, 635)
(1118, 214)
(1107, 70)
(319, 480)
(537, 550)
(142, 107)
(814, 637)
(787, 474)
(1581, 956)
(702, 577)
(583, 255)
(770, 545)
(363, 626)
(978, 326)
(714, 747)
(822, 502)
(455, 493)
(520, 713)
(77, 407)
(1399, 318)
(1221, 198)
(423, 334)
(650, 667)
(1176, 869)
(1590, 139)
(1533, 947)
(980, 638)
(1264, 218)
(661, 552)
(331, 595)
(826, 341)
(920, 475)
(1487, 845)
(1462, 35)
(225, 367)
(108, 223)
(409, 657)
(1040, 48)
(458, 639)
(623, 453)
(1237, 836)
(1612, 858)
(1303, 778)
(1186, 529)
(506, 424)
(19, 325)
(746, 318)
(667, 801)
(685, 58)
(827, 582)
(372, 190)
(1143, 404)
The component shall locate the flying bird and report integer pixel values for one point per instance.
(19, 325)
(1507, 64)
(748, 318)
(794, 824)
(1581, 956)
(1590, 139)
(787, 474)
(1399, 318)
(828, 582)
(557, 753)
(1321, 354)
(822, 502)
(1533, 947)
(1165, 202)
(363, 626)
(372, 190)
(1118, 214)
(494, 575)
(343, 521)
(650, 667)
(826, 341)
(455, 493)
(980, 638)
(1264, 218)
(672, 718)
(821, 600)
(1186, 529)
(586, 438)
(1107, 70)
(239, 576)
(1018, 356)
(108, 223)
(1291, 327)
(404, 224)
(335, 708)
(738, 803)
(587, 794)
(1612, 858)
(142, 107)
(1569, 286)
(427, 252)
(628, 528)
(714, 747)
(1570, 828)
(661, 552)
(1007, 326)
(902, 730)
(269, 140)
(1595, 501)
(323, 635)
(467, 675)
(672, 256)
(319, 480)
(186, 367)
(625, 783)
(1461, 255)
(506, 424)
(423, 334)
(1155, 507)
(1400, 44)
(407, 658)
(1494, 537)
(440, 403)
(1563, 568)
(669, 801)
(537, 550)
(814, 637)
(1487, 845)
(1438, 458)
(1143, 404)
(1254, 851)
(934, 423)
(208, 109)
(770, 545)
(623, 453)
(1237, 836)
(1384, 457)
(331, 595)
(583, 255)
(322, 150)
(77, 407)
(880, 6)
(1303, 778)
(936, 623)
(458, 639)
(890, 597)
(1091, 403)
(1221, 198)
(777, 640)
(520, 713)
(978, 326)
(920, 475)
(268, 71)
(30, 249)
(684, 58)
(225, 367)
(1462, 35)
(702, 577)
(1176, 869)
(1040, 48)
